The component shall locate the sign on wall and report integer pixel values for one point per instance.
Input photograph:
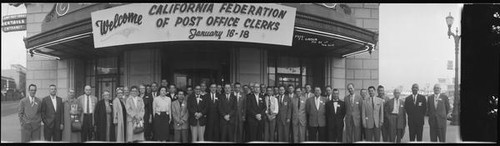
(153, 22)
(16, 22)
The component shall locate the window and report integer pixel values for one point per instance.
(104, 74)
(284, 70)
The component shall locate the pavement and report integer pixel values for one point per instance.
(11, 129)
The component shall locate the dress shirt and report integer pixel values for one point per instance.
(54, 102)
(352, 99)
(198, 99)
(87, 104)
(395, 108)
(257, 98)
(32, 100)
(212, 96)
(227, 96)
(162, 104)
(317, 100)
(335, 104)
(436, 98)
(414, 99)
(329, 97)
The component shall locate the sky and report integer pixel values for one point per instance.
(414, 45)
(13, 49)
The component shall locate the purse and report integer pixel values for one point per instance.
(76, 124)
(138, 127)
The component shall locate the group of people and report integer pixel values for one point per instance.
(232, 113)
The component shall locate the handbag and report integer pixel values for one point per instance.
(138, 127)
(76, 124)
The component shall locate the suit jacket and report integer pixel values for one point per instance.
(30, 114)
(50, 117)
(227, 107)
(81, 100)
(134, 111)
(335, 118)
(240, 107)
(180, 113)
(195, 107)
(416, 112)
(372, 112)
(299, 114)
(212, 107)
(401, 116)
(172, 98)
(353, 109)
(254, 108)
(438, 114)
(285, 109)
(316, 117)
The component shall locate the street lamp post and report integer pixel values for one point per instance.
(456, 104)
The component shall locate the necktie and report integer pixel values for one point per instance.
(227, 96)
(415, 99)
(352, 100)
(88, 105)
(436, 100)
(197, 99)
(31, 101)
(269, 105)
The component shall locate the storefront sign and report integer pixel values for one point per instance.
(16, 22)
(152, 22)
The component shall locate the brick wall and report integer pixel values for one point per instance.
(363, 69)
(43, 71)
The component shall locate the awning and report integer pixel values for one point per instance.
(72, 39)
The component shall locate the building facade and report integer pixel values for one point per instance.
(18, 73)
(61, 52)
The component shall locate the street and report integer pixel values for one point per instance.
(11, 128)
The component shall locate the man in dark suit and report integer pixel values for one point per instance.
(315, 110)
(353, 115)
(438, 108)
(213, 125)
(240, 113)
(255, 114)
(227, 112)
(415, 107)
(396, 117)
(284, 115)
(197, 114)
(87, 103)
(335, 113)
(30, 116)
(52, 115)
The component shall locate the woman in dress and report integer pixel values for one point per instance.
(71, 105)
(135, 114)
(120, 116)
(145, 94)
(103, 114)
(162, 115)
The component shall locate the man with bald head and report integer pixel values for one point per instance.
(87, 103)
(415, 107)
(396, 117)
(438, 108)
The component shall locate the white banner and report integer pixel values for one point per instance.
(153, 22)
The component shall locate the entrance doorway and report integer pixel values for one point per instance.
(189, 64)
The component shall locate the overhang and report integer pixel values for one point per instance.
(74, 39)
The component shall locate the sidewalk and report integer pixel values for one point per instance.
(11, 130)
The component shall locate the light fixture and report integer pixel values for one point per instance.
(449, 22)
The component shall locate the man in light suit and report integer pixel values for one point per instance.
(438, 108)
(284, 115)
(87, 103)
(227, 112)
(240, 113)
(315, 110)
(395, 113)
(373, 115)
(299, 118)
(353, 115)
(415, 107)
(30, 116)
(52, 115)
